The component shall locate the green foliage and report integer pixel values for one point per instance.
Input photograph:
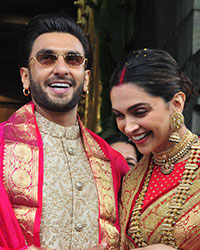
(115, 22)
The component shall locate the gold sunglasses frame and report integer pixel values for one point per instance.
(57, 55)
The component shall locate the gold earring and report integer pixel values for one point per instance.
(84, 94)
(176, 122)
(26, 92)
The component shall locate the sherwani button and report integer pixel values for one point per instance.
(79, 227)
(71, 151)
(79, 186)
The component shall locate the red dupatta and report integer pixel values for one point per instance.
(18, 131)
(10, 231)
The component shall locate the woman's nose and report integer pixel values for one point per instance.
(130, 127)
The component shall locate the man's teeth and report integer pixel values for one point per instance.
(59, 85)
(138, 137)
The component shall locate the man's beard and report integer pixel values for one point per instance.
(43, 100)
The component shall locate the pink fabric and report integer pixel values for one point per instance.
(10, 232)
(11, 236)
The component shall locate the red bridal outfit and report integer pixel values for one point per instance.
(159, 207)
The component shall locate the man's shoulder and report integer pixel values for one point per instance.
(100, 140)
(111, 153)
(20, 112)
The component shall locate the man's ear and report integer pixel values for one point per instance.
(178, 101)
(24, 72)
(86, 80)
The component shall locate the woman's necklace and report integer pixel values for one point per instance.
(167, 159)
(176, 204)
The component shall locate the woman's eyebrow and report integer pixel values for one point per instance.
(137, 105)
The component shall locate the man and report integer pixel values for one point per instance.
(60, 181)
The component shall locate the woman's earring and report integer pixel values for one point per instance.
(176, 122)
(26, 92)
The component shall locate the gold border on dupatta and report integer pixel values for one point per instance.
(102, 171)
(20, 169)
(130, 186)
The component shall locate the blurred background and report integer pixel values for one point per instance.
(114, 28)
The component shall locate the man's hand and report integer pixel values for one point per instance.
(101, 246)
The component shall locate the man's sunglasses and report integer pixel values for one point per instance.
(45, 58)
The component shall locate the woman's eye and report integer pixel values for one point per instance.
(140, 112)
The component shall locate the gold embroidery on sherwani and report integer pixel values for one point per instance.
(20, 171)
(70, 199)
(103, 176)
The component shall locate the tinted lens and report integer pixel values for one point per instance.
(46, 59)
(75, 60)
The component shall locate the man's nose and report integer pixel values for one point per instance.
(60, 66)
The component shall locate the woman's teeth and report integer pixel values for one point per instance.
(139, 137)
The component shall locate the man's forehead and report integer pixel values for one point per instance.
(58, 42)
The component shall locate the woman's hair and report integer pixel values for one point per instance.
(51, 22)
(155, 71)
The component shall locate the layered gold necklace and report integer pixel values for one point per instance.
(192, 144)
(167, 159)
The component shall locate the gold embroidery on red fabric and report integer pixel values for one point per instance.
(129, 189)
(21, 178)
(20, 169)
(186, 230)
(22, 153)
(103, 175)
(21, 183)
(21, 126)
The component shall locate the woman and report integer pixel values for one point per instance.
(160, 202)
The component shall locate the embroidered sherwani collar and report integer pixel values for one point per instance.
(56, 130)
(72, 132)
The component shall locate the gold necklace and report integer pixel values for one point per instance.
(174, 208)
(167, 159)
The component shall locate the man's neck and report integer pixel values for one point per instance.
(64, 119)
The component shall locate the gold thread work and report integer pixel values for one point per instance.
(178, 200)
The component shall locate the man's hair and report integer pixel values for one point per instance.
(46, 23)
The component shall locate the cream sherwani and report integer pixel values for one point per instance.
(70, 201)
